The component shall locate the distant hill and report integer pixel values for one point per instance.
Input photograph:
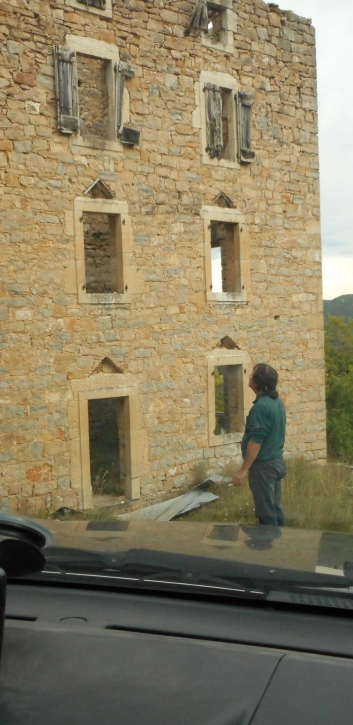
(339, 307)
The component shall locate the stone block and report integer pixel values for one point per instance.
(40, 473)
(23, 147)
(26, 79)
(6, 145)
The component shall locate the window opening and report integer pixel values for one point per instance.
(224, 267)
(227, 392)
(93, 96)
(215, 22)
(107, 445)
(102, 268)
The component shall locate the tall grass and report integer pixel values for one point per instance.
(314, 497)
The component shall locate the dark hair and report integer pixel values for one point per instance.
(266, 379)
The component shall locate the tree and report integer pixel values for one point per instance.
(339, 387)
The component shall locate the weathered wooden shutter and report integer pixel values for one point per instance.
(244, 104)
(122, 70)
(127, 135)
(66, 88)
(214, 126)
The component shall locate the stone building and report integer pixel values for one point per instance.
(160, 233)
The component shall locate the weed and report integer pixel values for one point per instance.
(199, 473)
(314, 497)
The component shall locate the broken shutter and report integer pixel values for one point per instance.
(127, 135)
(214, 125)
(244, 104)
(120, 83)
(66, 88)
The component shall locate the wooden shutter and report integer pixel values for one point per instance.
(122, 70)
(214, 126)
(244, 104)
(66, 88)
(94, 3)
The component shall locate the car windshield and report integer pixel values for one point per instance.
(177, 294)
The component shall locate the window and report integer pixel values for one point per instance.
(92, 97)
(228, 395)
(227, 265)
(215, 115)
(223, 114)
(106, 442)
(102, 267)
(103, 237)
(224, 237)
(103, 8)
(227, 404)
(221, 26)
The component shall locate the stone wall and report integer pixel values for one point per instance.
(164, 335)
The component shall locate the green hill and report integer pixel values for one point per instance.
(339, 307)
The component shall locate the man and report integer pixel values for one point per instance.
(262, 447)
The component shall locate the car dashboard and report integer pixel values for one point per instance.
(76, 655)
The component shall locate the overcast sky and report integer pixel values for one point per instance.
(333, 20)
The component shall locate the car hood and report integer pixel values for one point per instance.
(287, 548)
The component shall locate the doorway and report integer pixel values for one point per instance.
(107, 445)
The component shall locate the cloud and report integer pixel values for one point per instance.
(337, 276)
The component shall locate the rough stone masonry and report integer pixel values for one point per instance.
(178, 131)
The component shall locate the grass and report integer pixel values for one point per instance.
(314, 497)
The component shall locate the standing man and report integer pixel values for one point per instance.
(262, 447)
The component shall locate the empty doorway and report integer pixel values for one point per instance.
(107, 445)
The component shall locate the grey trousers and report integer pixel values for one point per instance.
(265, 484)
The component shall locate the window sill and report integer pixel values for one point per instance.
(225, 45)
(105, 298)
(79, 142)
(225, 163)
(227, 439)
(227, 297)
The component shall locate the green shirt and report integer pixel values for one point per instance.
(265, 424)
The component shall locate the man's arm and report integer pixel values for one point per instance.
(251, 454)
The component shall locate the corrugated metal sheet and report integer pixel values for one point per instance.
(167, 510)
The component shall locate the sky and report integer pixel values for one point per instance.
(333, 21)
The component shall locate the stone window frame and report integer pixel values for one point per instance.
(110, 53)
(226, 357)
(102, 206)
(226, 81)
(106, 12)
(229, 27)
(104, 385)
(232, 216)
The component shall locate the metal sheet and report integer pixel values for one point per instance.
(167, 510)
(215, 478)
